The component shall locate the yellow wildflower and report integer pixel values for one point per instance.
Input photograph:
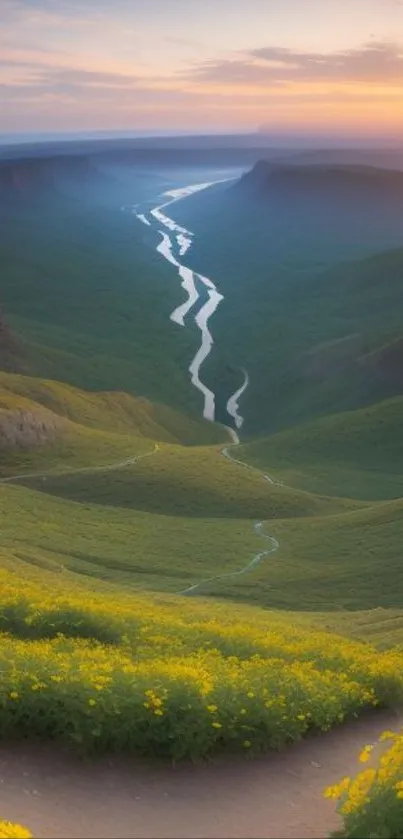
(365, 754)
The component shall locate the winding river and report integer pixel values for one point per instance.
(174, 244)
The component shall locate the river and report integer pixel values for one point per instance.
(176, 239)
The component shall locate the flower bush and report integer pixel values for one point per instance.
(173, 677)
(371, 804)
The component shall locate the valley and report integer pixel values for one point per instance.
(200, 471)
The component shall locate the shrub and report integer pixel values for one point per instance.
(20, 619)
(182, 679)
(371, 804)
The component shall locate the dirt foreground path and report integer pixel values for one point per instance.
(276, 796)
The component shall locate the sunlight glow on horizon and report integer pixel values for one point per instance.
(228, 65)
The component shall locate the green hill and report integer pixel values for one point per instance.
(121, 546)
(109, 411)
(48, 426)
(356, 454)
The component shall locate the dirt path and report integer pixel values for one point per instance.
(278, 795)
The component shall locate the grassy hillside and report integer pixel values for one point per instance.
(111, 411)
(49, 426)
(358, 454)
(130, 547)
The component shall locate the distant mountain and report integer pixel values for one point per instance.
(48, 177)
(322, 182)
(391, 158)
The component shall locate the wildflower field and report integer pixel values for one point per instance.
(172, 677)
(371, 804)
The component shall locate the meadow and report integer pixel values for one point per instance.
(348, 561)
(130, 547)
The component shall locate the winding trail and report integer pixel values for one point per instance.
(275, 796)
(110, 467)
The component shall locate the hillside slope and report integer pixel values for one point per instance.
(351, 561)
(180, 481)
(46, 425)
(358, 454)
(312, 288)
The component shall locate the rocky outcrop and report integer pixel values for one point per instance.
(24, 429)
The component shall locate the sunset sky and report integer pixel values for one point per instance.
(201, 65)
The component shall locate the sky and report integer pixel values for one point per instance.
(305, 66)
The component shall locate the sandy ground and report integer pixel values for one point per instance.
(279, 795)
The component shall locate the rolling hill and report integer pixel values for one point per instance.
(338, 563)
(356, 454)
(46, 425)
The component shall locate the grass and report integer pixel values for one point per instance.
(48, 426)
(129, 547)
(348, 561)
(111, 411)
(357, 454)
(186, 679)
(188, 482)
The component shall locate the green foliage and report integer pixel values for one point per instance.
(309, 316)
(371, 804)
(20, 620)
